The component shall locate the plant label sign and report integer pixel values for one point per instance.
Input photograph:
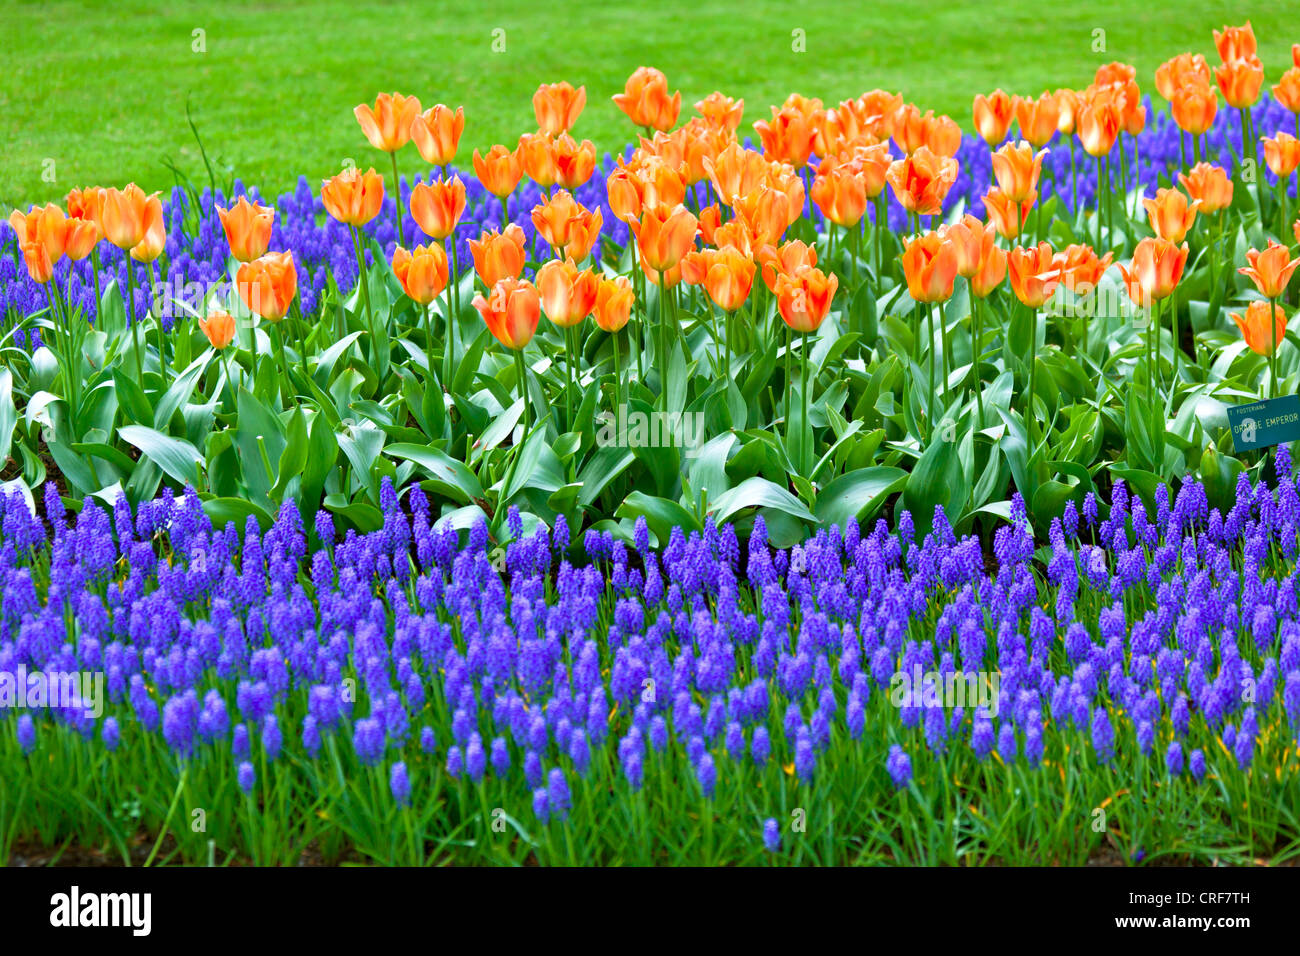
(1261, 424)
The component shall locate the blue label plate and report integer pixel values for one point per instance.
(1261, 424)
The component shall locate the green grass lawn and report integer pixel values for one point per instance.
(93, 95)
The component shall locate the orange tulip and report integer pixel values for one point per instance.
(498, 255)
(1100, 121)
(1235, 42)
(784, 179)
(992, 268)
(422, 271)
(1069, 102)
(787, 258)
(558, 107)
(721, 111)
(623, 193)
(930, 267)
(123, 216)
(727, 275)
(993, 116)
(911, 128)
(788, 137)
(437, 206)
(81, 239)
(878, 111)
(248, 229)
(736, 172)
(1017, 167)
(701, 142)
(1193, 105)
(537, 157)
(568, 296)
(665, 234)
(1295, 54)
(765, 213)
(436, 132)
(37, 259)
(567, 226)
(966, 237)
(46, 225)
(1286, 91)
(1255, 326)
(574, 162)
(1006, 216)
(1112, 73)
(353, 197)
(646, 102)
(1038, 118)
(388, 125)
(1170, 214)
(1271, 269)
(1208, 185)
(1171, 74)
(1282, 153)
(151, 246)
(841, 195)
(658, 181)
(85, 203)
(511, 311)
(1035, 272)
(613, 307)
(1240, 80)
(804, 298)
(499, 171)
(219, 327)
(922, 180)
(943, 136)
(268, 285)
(709, 220)
(1081, 269)
(871, 165)
(1155, 271)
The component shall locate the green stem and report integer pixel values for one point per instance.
(365, 290)
(397, 198)
(977, 314)
(428, 340)
(130, 318)
(521, 372)
(805, 450)
(1272, 356)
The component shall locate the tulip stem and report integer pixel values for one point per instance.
(162, 343)
(929, 348)
(453, 310)
(1272, 356)
(428, 340)
(977, 315)
(521, 372)
(130, 318)
(663, 340)
(365, 291)
(1074, 182)
(618, 379)
(568, 363)
(282, 367)
(397, 198)
(1030, 414)
(805, 450)
(94, 268)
